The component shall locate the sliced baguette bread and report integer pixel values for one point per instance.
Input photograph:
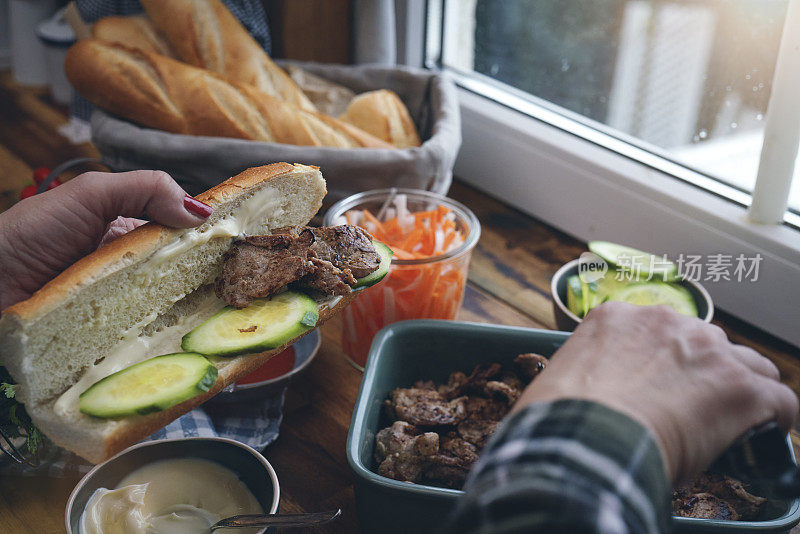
(134, 287)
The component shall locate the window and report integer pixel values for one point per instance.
(687, 80)
(639, 121)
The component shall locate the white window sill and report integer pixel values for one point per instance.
(592, 192)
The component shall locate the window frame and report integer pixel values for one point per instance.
(593, 184)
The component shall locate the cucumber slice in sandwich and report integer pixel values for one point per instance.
(644, 262)
(263, 325)
(383, 269)
(658, 293)
(150, 386)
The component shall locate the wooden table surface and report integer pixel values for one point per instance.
(509, 281)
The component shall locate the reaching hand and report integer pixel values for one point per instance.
(43, 235)
(678, 376)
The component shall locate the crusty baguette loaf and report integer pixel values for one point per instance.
(169, 95)
(205, 34)
(382, 114)
(135, 287)
(133, 32)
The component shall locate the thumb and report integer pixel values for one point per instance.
(137, 193)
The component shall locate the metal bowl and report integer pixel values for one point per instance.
(568, 321)
(251, 467)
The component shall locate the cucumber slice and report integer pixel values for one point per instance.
(575, 295)
(265, 324)
(608, 285)
(655, 293)
(383, 269)
(150, 386)
(666, 271)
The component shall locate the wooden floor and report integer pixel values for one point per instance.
(508, 284)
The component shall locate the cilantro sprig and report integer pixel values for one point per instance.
(14, 420)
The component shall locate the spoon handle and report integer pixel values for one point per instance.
(278, 520)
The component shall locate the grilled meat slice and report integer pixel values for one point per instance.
(402, 451)
(260, 265)
(479, 408)
(477, 431)
(325, 277)
(730, 490)
(703, 506)
(530, 365)
(327, 260)
(452, 463)
(425, 407)
(503, 390)
(346, 247)
(476, 382)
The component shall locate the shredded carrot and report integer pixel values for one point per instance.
(430, 290)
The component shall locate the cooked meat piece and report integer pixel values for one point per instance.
(346, 247)
(327, 260)
(325, 277)
(391, 440)
(461, 451)
(479, 408)
(501, 389)
(476, 382)
(730, 490)
(425, 407)
(465, 412)
(454, 382)
(530, 364)
(703, 506)
(477, 431)
(511, 378)
(403, 451)
(454, 460)
(260, 265)
(449, 476)
(425, 384)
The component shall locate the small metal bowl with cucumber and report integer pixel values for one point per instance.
(612, 272)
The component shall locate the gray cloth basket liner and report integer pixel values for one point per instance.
(198, 163)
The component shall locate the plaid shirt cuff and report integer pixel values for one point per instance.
(567, 466)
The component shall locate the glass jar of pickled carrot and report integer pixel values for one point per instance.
(432, 238)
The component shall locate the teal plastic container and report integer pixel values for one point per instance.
(430, 350)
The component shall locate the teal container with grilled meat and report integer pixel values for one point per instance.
(405, 352)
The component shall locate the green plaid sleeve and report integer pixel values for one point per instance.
(566, 466)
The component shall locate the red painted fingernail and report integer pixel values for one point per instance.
(195, 207)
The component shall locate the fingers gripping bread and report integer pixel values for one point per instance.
(131, 290)
(134, 32)
(205, 34)
(381, 113)
(168, 95)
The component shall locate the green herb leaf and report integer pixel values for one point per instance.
(8, 389)
(309, 319)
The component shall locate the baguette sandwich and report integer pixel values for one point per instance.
(86, 347)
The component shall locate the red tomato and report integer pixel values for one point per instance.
(55, 183)
(27, 191)
(40, 174)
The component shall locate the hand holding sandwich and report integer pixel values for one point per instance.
(43, 235)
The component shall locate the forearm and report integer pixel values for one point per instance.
(567, 466)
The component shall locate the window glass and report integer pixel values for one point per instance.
(690, 77)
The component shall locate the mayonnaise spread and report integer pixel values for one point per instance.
(181, 496)
(134, 347)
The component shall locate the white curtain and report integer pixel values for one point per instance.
(375, 32)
